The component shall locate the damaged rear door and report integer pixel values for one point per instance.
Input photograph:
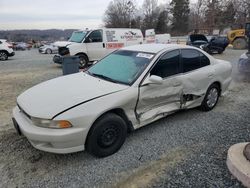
(158, 100)
(198, 74)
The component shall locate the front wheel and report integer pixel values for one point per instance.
(48, 51)
(3, 56)
(107, 135)
(211, 98)
(83, 61)
(240, 43)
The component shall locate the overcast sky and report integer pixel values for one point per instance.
(48, 14)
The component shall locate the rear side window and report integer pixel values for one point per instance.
(190, 60)
(204, 60)
(193, 59)
(168, 65)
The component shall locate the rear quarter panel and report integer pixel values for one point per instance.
(223, 71)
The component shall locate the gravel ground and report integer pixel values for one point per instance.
(186, 149)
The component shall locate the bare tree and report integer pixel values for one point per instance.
(120, 13)
(197, 15)
(199, 10)
(151, 13)
(242, 11)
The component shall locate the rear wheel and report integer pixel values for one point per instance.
(83, 61)
(211, 98)
(239, 43)
(3, 56)
(107, 135)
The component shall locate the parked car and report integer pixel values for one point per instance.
(197, 40)
(6, 50)
(21, 46)
(48, 49)
(92, 45)
(215, 44)
(125, 90)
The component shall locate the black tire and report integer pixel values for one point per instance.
(107, 135)
(48, 51)
(220, 51)
(3, 56)
(206, 104)
(84, 60)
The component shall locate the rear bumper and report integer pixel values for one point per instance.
(51, 140)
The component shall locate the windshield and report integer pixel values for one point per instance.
(121, 66)
(77, 36)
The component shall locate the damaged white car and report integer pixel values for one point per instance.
(126, 90)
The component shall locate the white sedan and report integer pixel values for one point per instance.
(124, 91)
(48, 49)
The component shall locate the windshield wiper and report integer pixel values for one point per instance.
(103, 77)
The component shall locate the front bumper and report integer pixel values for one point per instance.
(11, 54)
(51, 140)
(42, 51)
(57, 59)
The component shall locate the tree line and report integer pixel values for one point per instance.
(178, 17)
(36, 35)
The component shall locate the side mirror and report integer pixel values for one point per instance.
(153, 79)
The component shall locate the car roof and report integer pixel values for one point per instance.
(154, 48)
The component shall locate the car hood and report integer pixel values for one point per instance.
(62, 43)
(49, 98)
(197, 37)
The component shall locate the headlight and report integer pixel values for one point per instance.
(60, 124)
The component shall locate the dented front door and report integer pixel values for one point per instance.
(158, 100)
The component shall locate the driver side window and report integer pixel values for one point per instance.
(95, 36)
(168, 65)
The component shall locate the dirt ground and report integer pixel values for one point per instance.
(24, 70)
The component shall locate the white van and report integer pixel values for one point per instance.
(163, 38)
(150, 36)
(92, 45)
